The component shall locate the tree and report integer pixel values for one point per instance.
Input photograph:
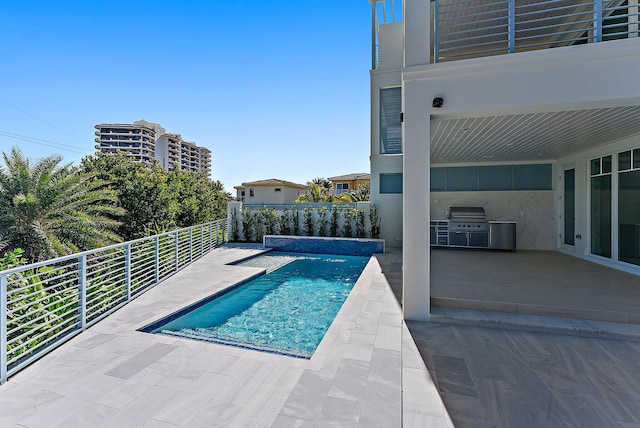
(155, 200)
(323, 183)
(50, 210)
(316, 193)
(142, 191)
(359, 194)
(198, 199)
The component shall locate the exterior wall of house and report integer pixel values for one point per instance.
(550, 80)
(389, 205)
(352, 185)
(269, 195)
(290, 194)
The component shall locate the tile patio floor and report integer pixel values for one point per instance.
(367, 371)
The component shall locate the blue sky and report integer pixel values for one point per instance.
(276, 89)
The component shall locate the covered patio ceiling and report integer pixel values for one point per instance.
(530, 136)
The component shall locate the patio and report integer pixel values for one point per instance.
(366, 372)
(546, 283)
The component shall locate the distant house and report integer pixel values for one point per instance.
(348, 183)
(270, 191)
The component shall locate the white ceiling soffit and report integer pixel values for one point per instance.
(531, 136)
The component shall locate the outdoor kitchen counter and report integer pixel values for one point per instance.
(501, 235)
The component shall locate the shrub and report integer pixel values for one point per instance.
(360, 231)
(308, 221)
(334, 222)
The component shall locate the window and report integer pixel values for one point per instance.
(342, 188)
(251, 193)
(277, 189)
(242, 193)
(390, 125)
(491, 178)
(390, 183)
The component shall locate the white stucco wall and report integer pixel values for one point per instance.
(546, 80)
(390, 46)
(389, 205)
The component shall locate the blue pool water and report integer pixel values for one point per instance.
(287, 311)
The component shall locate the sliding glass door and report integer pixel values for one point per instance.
(629, 206)
(601, 206)
(615, 201)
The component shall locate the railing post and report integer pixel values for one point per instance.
(436, 31)
(82, 284)
(4, 310)
(201, 240)
(127, 270)
(512, 26)
(190, 244)
(597, 20)
(211, 245)
(176, 250)
(632, 19)
(157, 258)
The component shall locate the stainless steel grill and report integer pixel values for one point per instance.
(467, 219)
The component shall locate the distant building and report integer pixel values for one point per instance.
(270, 191)
(348, 183)
(145, 141)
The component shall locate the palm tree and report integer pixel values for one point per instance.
(316, 193)
(50, 210)
(324, 183)
(359, 194)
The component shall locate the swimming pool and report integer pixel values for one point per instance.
(286, 311)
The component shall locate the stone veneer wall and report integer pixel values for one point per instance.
(533, 211)
(322, 245)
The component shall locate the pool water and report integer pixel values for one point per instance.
(286, 311)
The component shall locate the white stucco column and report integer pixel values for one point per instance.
(417, 32)
(415, 205)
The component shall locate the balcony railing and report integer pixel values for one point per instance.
(42, 305)
(475, 28)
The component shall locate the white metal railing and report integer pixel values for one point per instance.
(44, 304)
(474, 28)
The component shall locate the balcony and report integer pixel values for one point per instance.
(464, 29)
(472, 28)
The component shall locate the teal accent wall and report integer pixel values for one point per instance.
(492, 178)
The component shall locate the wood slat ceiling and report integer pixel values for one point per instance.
(532, 136)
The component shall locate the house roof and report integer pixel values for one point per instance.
(351, 177)
(271, 182)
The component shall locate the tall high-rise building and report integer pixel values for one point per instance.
(145, 142)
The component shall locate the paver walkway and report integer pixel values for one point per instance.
(492, 377)
(112, 375)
